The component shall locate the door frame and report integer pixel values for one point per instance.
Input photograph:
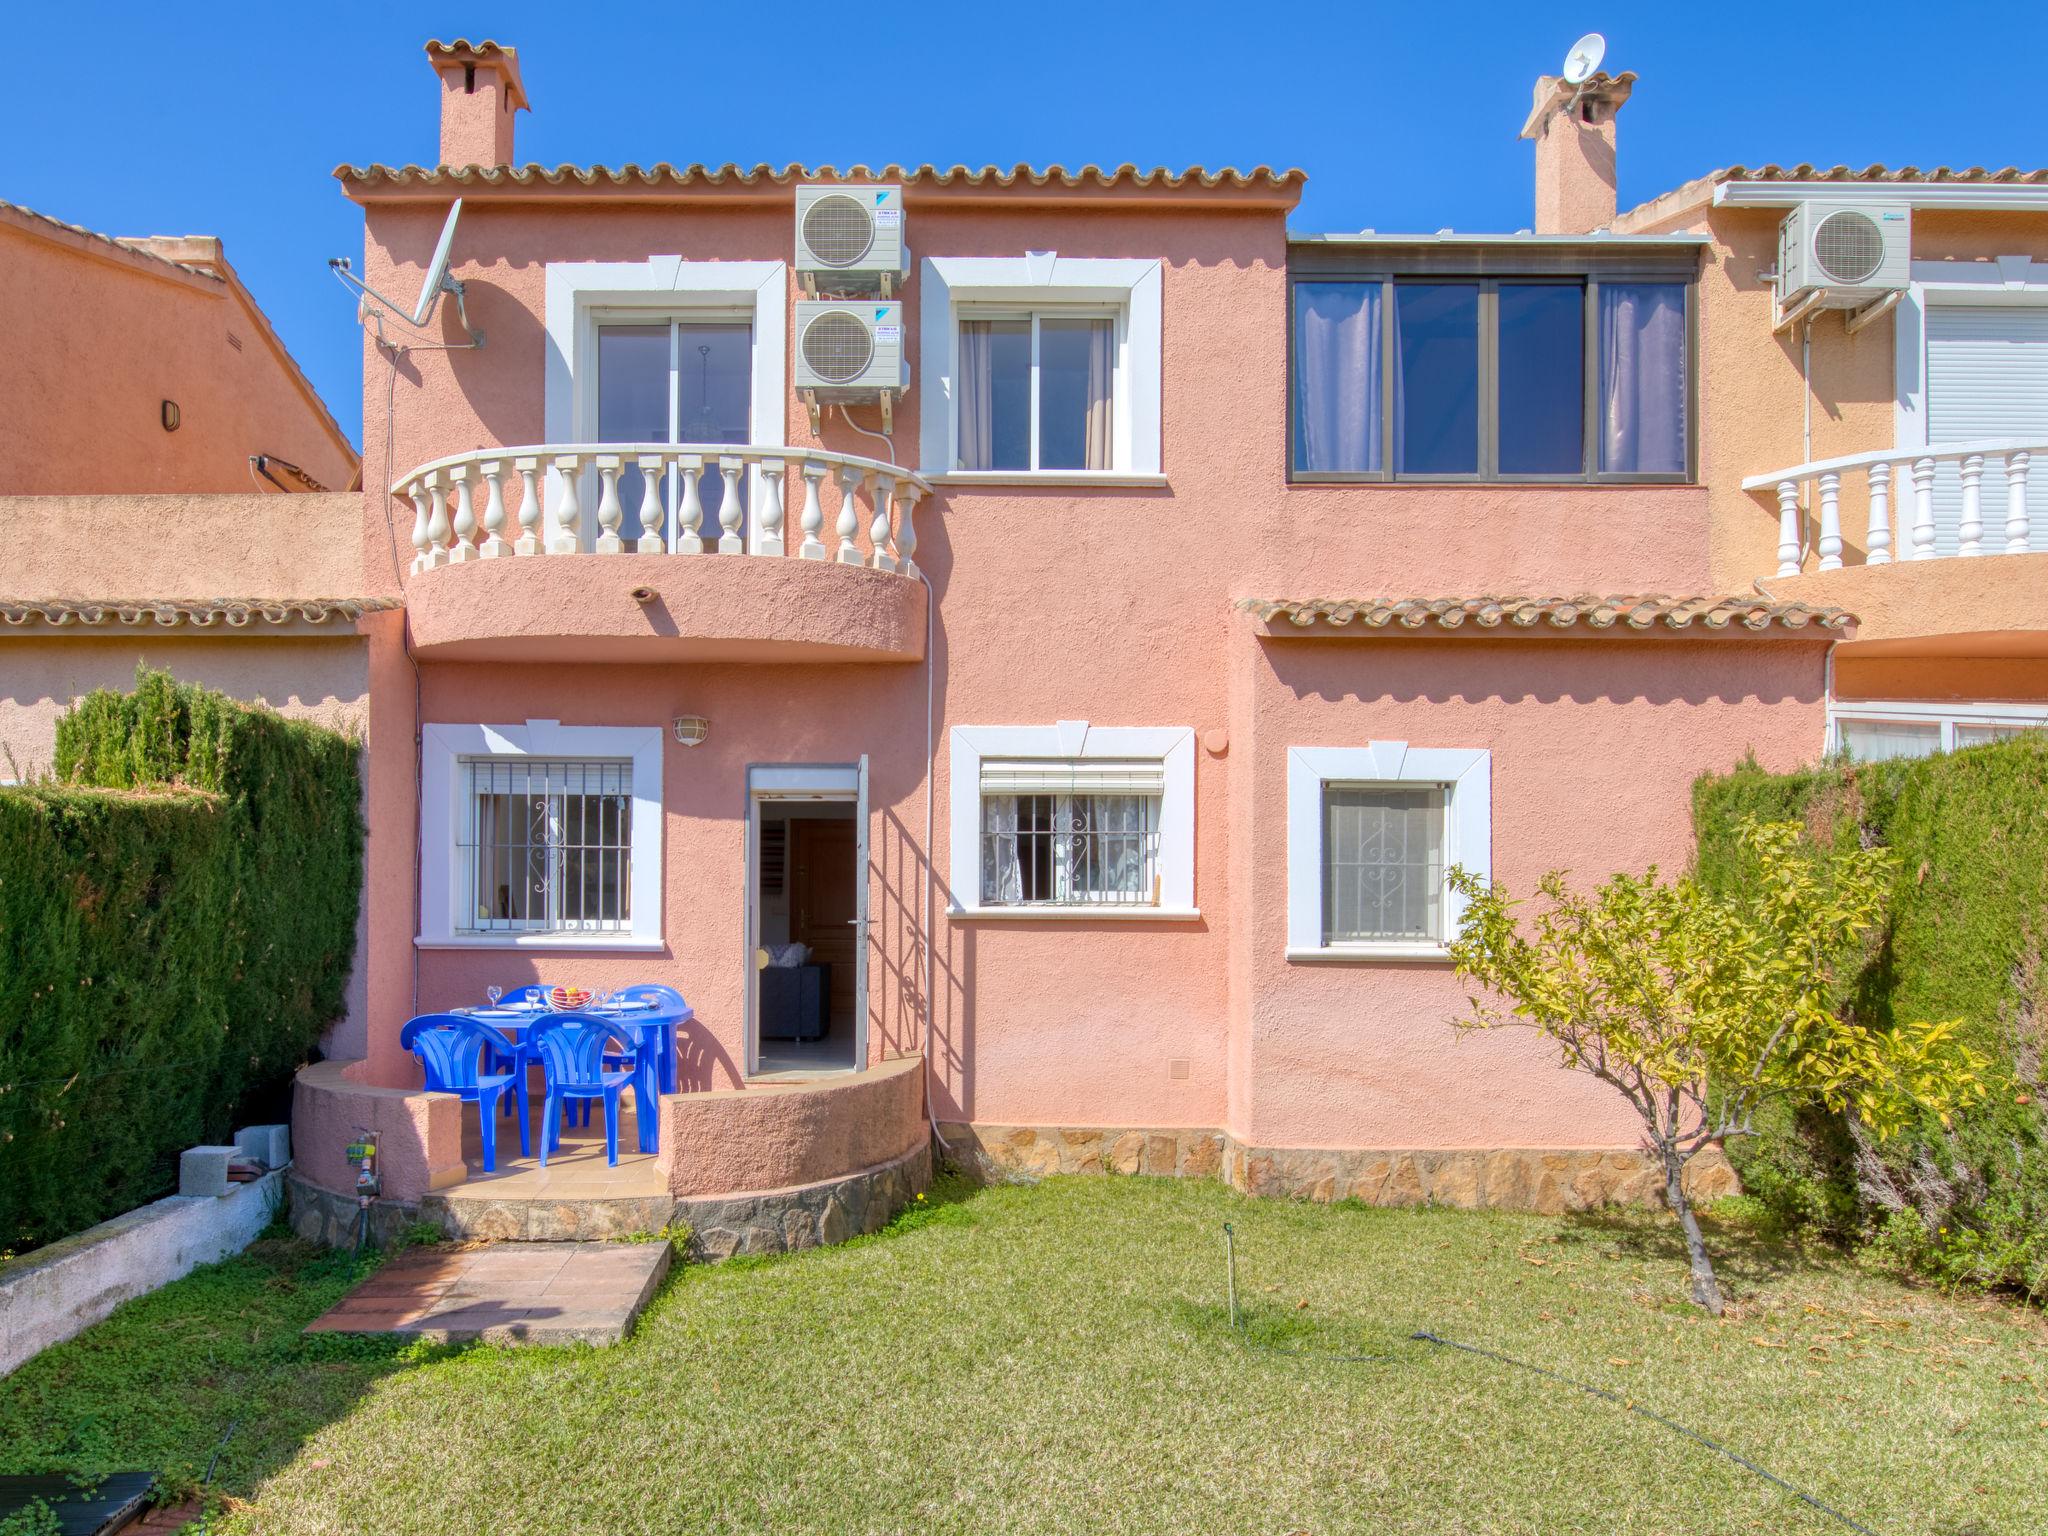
(832, 783)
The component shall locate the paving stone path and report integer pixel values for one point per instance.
(505, 1293)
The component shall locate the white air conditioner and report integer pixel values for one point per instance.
(850, 239)
(849, 349)
(1843, 255)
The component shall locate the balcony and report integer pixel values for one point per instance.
(508, 565)
(1956, 526)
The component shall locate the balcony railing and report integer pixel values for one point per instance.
(1908, 477)
(489, 504)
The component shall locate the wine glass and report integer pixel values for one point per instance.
(494, 992)
(601, 997)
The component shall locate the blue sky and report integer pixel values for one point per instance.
(227, 119)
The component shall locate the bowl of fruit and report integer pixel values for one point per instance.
(568, 999)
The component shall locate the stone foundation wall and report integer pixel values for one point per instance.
(763, 1221)
(1542, 1179)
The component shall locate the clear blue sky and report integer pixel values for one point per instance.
(227, 119)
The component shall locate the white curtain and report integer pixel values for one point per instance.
(977, 395)
(1002, 880)
(1101, 394)
(1336, 376)
(1642, 378)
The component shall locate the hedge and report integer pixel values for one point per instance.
(1965, 939)
(177, 925)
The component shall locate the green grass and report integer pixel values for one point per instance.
(1059, 1358)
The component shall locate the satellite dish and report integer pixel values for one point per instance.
(1579, 64)
(372, 306)
(437, 270)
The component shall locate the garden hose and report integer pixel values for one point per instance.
(1424, 1336)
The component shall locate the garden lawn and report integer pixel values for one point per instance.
(1057, 1358)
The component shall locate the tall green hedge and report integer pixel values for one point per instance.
(177, 924)
(1966, 939)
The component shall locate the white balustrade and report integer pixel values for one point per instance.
(528, 542)
(690, 515)
(1816, 489)
(814, 510)
(465, 517)
(2017, 530)
(909, 493)
(494, 546)
(464, 510)
(729, 541)
(878, 529)
(771, 506)
(421, 539)
(652, 514)
(437, 521)
(850, 477)
(1878, 548)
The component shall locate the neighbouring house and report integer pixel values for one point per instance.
(143, 364)
(172, 490)
(1884, 448)
(1020, 650)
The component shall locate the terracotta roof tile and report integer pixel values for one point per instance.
(134, 246)
(1122, 177)
(1687, 194)
(188, 613)
(1698, 615)
(1940, 175)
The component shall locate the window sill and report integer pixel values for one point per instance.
(609, 942)
(1366, 954)
(1103, 914)
(1029, 477)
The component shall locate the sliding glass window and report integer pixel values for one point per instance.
(1539, 378)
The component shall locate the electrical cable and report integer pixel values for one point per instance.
(1653, 1416)
(1424, 1336)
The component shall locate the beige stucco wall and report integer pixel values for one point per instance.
(178, 545)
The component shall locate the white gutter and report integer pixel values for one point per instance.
(1989, 195)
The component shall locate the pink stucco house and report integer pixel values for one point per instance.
(1086, 615)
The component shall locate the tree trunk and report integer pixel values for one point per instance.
(1705, 1289)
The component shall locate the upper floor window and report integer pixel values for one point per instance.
(1536, 378)
(1037, 391)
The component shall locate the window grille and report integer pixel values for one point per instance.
(1383, 864)
(1070, 833)
(547, 845)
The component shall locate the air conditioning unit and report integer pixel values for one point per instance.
(848, 351)
(850, 239)
(1843, 255)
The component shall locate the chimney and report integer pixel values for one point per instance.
(1574, 132)
(480, 90)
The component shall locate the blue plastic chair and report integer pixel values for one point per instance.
(669, 1004)
(572, 1048)
(452, 1048)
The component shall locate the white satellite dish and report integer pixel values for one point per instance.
(1579, 64)
(375, 306)
(437, 270)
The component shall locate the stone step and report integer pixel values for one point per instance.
(505, 1293)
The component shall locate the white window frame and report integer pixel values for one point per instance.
(1174, 749)
(1465, 774)
(1946, 715)
(952, 288)
(2010, 280)
(443, 751)
(583, 294)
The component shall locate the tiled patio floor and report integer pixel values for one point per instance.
(575, 1171)
(505, 1293)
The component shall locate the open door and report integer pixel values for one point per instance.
(860, 918)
